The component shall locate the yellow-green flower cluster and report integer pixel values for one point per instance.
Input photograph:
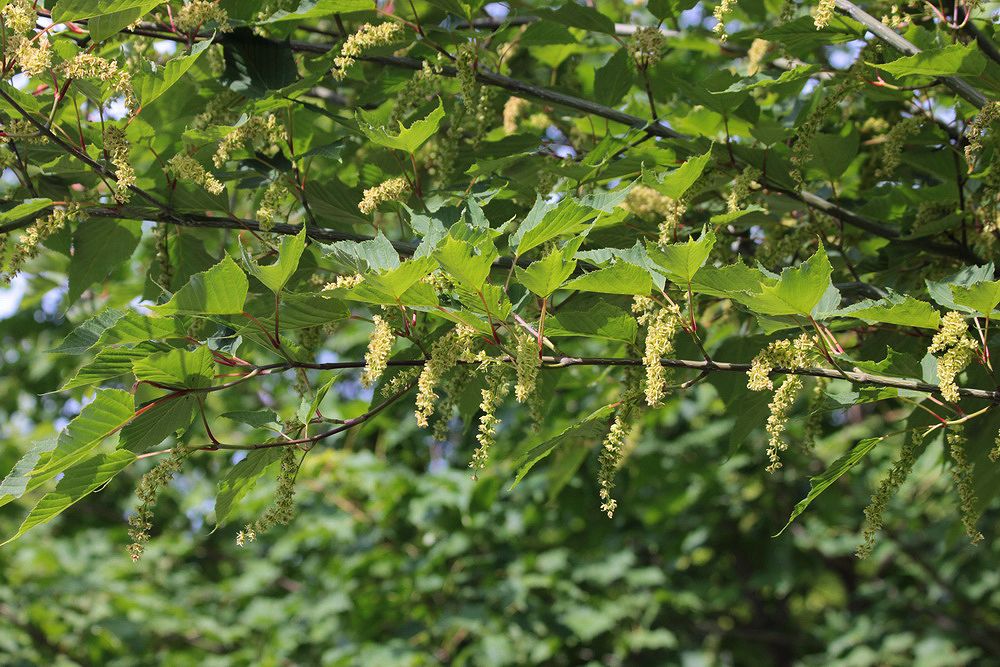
(780, 353)
(887, 488)
(755, 55)
(895, 140)
(784, 354)
(465, 67)
(961, 473)
(976, 130)
(367, 37)
(421, 87)
(995, 452)
(185, 167)
(741, 188)
(257, 132)
(610, 461)
(391, 190)
(379, 349)
(30, 50)
(445, 354)
(36, 233)
(19, 15)
(954, 350)
(345, 282)
(196, 13)
(493, 395)
(89, 66)
(648, 204)
(662, 326)
(23, 131)
(282, 510)
(824, 13)
(512, 110)
(147, 490)
(450, 388)
(526, 363)
(222, 109)
(814, 421)
(646, 46)
(116, 147)
(721, 11)
(270, 204)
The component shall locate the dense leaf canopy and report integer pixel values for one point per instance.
(256, 240)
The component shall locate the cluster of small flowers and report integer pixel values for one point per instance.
(465, 65)
(196, 13)
(345, 282)
(89, 66)
(23, 131)
(743, 184)
(19, 16)
(755, 55)
(892, 150)
(850, 81)
(662, 326)
(995, 452)
(526, 363)
(256, 132)
(185, 167)
(116, 147)
(646, 46)
(32, 55)
(785, 354)
(493, 395)
(777, 421)
(613, 449)
(976, 129)
(445, 354)
(399, 381)
(391, 190)
(36, 233)
(367, 37)
(422, 85)
(451, 388)
(961, 474)
(874, 125)
(894, 19)
(887, 488)
(954, 350)
(270, 204)
(222, 109)
(512, 110)
(282, 510)
(648, 204)
(147, 490)
(379, 349)
(721, 11)
(824, 13)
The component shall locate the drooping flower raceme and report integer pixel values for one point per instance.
(497, 388)
(954, 350)
(116, 146)
(445, 354)
(898, 472)
(366, 38)
(662, 326)
(148, 489)
(256, 132)
(391, 190)
(379, 349)
(186, 168)
(526, 363)
(961, 473)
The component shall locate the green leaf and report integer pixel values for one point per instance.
(614, 79)
(376, 254)
(25, 209)
(467, 263)
(592, 317)
(240, 479)
(150, 85)
(315, 9)
(256, 65)
(157, 423)
(952, 60)
(110, 410)
(74, 10)
(78, 481)
(222, 290)
(107, 364)
(408, 139)
(579, 16)
(593, 427)
(982, 297)
(801, 33)
(547, 220)
(683, 260)
(676, 183)
(619, 278)
(255, 418)
(388, 288)
(99, 247)
(84, 336)
(820, 483)
(276, 275)
(108, 25)
(177, 369)
(797, 291)
(547, 274)
(942, 291)
(136, 328)
(899, 309)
